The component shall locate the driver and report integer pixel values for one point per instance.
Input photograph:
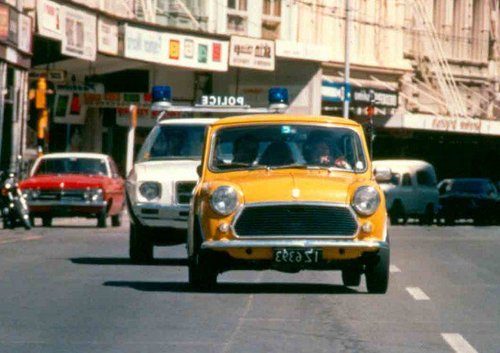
(245, 149)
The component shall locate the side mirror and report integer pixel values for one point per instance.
(382, 174)
(199, 170)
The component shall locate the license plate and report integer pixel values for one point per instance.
(297, 256)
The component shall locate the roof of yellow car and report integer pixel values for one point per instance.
(280, 118)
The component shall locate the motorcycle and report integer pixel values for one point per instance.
(14, 208)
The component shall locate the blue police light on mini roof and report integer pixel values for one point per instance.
(278, 98)
(162, 97)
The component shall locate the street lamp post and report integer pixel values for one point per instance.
(347, 64)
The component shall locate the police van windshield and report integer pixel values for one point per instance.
(167, 142)
(284, 145)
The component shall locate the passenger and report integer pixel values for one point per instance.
(245, 149)
(321, 151)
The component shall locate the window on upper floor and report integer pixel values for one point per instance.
(237, 16)
(271, 19)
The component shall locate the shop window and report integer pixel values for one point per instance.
(237, 16)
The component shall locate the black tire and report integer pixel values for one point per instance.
(46, 221)
(140, 248)
(101, 219)
(116, 220)
(202, 270)
(377, 273)
(397, 213)
(428, 217)
(351, 277)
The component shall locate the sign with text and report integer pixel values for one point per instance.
(252, 53)
(13, 26)
(334, 91)
(4, 22)
(107, 37)
(302, 51)
(49, 19)
(382, 98)
(222, 101)
(79, 34)
(25, 43)
(175, 49)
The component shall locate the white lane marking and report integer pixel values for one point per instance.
(15, 240)
(242, 318)
(394, 269)
(417, 293)
(458, 343)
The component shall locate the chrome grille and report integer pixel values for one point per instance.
(184, 190)
(307, 220)
(61, 195)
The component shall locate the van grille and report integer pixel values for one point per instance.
(184, 190)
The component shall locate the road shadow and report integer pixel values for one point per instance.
(236, 288)
(124, 261)
(64, 226)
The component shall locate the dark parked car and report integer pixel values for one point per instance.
(467, 198)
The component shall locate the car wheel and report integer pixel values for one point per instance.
(202, 270)
(46, 221)
(397, 214)
(351, 277)
(101, 219)
(116, 220)
(377, 274)
(140, 248)
(428, 217)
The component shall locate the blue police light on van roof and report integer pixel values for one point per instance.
(278, 95)
(162, 97)
(278, 98)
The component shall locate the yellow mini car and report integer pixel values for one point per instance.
(288, 193)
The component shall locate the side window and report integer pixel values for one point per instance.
(424, 178)
(114, 169)
(406, 180)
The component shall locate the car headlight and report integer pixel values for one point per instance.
(224, 200)
(93, 195)
(150, 190)
(366, 200)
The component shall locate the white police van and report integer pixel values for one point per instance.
(160, 184)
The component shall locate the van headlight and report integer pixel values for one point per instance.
(224, 200)
(150, 190)
(366, 200)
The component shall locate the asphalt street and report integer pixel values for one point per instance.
(71, 288)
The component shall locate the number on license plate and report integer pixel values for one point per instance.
(297, 256)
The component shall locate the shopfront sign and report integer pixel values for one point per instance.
(335, 91)
(25, 42)
(107, 36)
(79, 34)
(4, 22)
(49, 19)
(175, 49)
(381, 98)
(302, 51)
(252, 53)
(444, 123)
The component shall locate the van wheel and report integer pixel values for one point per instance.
(140, 248)
(377, 274)
(428, 217)
(397, 213)
(101, 219)
(116, 220)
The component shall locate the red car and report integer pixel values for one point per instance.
(75, 185)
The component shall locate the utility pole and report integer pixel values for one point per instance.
(347, 64)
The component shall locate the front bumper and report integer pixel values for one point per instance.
(167, 216)
(309, 243)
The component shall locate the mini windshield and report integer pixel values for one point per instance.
(89, 166)
(166, 142)
(287, 146)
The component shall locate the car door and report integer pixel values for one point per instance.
(407, 192)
